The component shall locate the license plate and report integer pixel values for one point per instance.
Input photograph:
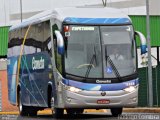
(103, 101)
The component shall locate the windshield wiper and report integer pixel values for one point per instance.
(91, 63)
(113, 66)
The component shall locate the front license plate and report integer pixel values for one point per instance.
(103, 101)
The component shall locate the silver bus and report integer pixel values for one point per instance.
(74, 59)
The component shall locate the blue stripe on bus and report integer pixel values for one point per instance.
(97, 20)
(100, 87)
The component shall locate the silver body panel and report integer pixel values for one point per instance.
(88, 99)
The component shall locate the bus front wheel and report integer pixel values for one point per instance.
(58, 112)
(32, 112)
(116, 111)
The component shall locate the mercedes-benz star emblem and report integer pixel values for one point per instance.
(103, 93)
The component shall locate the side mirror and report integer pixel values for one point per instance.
(143, 48)
(143, 42)
(60, 42)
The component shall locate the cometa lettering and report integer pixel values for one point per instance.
(103, 81)
(37, 64)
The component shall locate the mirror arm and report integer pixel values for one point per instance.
(143, 47)
(143, 42)
(60, 42)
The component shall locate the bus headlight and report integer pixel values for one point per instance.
(130, 89)
(73, 89)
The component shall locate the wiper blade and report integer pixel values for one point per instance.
(113, 66)
(91, 63)
(89, 67)
(95, 56)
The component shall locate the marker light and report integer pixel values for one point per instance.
(66, 28)
(130, 89)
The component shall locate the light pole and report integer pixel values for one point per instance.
(150, 85)
(21, 10)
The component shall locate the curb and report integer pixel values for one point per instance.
(142, 110)
(9, 113)
(127, 110)
(49, 112)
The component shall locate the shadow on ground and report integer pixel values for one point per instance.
(68, 117)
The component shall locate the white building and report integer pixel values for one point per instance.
(11, 10)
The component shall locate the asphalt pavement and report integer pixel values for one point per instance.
(88, 116)
(128, 114)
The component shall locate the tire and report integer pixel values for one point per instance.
(116, 111)
(74, 111)
(22, 109)
(52, 105)
(50, 98)
(32, 112)
(80, 111)
(51, 101)
(58, 112)
(25, 110)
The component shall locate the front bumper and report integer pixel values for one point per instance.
(88, 99)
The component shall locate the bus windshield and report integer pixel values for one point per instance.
(88, 48)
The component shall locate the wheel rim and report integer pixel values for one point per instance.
(52, 104)
(20, 105)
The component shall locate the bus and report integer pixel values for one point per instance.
(60, 59)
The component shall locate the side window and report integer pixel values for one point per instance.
(11, 37)
(39, 37)
(47, 38)
(14, 46)
(58, 57)
(29, 47)
(25, 50)
(35, 43)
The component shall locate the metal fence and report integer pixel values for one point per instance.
(3, 40)
(143, 75)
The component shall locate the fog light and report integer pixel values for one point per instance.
(68, 99)
(134, 99)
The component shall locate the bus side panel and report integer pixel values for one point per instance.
(36, 72)
(12, 70)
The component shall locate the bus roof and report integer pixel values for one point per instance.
(78, 15)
